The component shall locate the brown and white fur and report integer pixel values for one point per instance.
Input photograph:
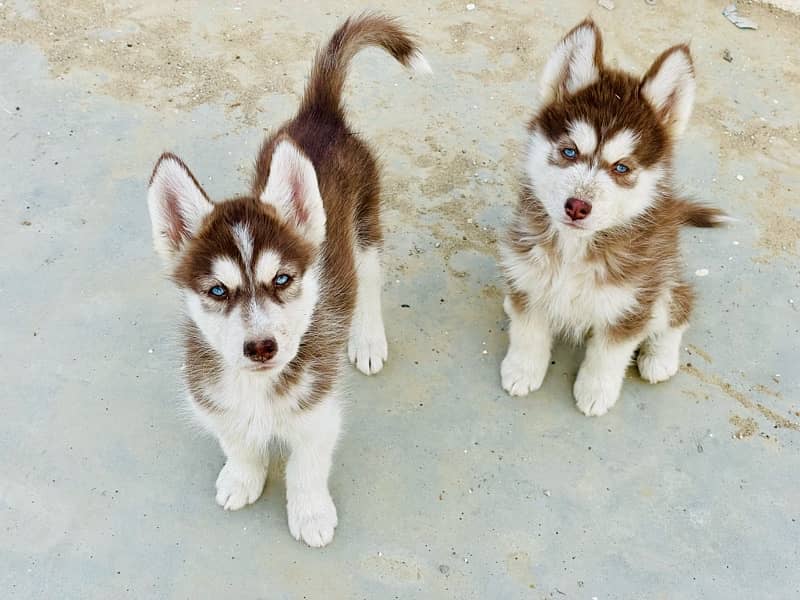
(277, 283)
(593, 249)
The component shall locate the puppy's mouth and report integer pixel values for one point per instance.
(574, 225)
(260, 367)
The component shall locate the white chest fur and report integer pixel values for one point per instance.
(250, 410)
(569, 289)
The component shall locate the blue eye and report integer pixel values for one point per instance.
(218, 291)
(620, 168)
(569, 153)
(282, 280)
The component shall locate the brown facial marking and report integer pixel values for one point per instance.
(611, 104)
(195, 271)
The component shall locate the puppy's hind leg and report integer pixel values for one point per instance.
(367, 347)
(659, 355)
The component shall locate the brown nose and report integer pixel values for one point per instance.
(262, 350)
(577, 209)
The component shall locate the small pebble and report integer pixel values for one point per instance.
(470, 6)
(740, 177)
(444, 569)
(150, 351)
(547, 493)
(701, 272)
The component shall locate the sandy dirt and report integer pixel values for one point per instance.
(446, 487)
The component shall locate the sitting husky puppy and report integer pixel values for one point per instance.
(277, 282)
(594, 244)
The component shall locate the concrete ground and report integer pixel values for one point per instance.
(446, 487)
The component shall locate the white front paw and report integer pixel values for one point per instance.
(312, 518)
(596, 393)
(520, 373)
(367, 347)
(657, 367)
(240, 484)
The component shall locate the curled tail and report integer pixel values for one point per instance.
(699, 215)
(324, 89)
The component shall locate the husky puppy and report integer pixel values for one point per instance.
(277, 282)
(593, 249)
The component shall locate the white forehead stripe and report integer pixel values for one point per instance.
(244, 241)
(267, 266)
(584, 136)
(620, 146)
(225, 270)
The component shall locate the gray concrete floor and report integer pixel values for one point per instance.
(446, 487)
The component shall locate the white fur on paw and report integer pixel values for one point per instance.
(312, 518)
(367, 347)
(657, 368)
(239, 484)
(595, 394)
(521, 374)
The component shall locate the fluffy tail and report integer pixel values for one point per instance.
(324, 89)
(699, 215)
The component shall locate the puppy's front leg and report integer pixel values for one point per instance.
(312, 440)
(600, 377)
(241, 480)
(525, 365)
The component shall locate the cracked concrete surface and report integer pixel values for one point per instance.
(446, 487)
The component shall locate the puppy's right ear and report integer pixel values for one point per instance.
(574, 64)
(178, 206)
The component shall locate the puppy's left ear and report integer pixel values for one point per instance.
(292, 189)
(669, 86)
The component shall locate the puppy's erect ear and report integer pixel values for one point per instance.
(178, 206)
(293, 190)
(669, 86)
(574, 64)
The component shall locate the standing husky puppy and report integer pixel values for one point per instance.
(594, 245)
(277, 282)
